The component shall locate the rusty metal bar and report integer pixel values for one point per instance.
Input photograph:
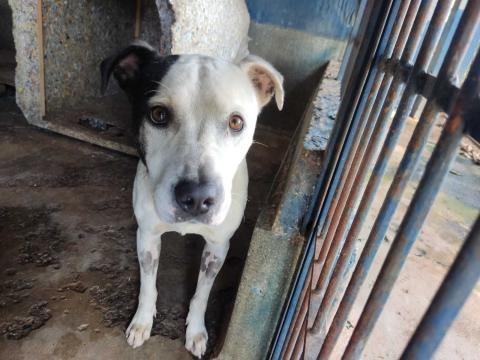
(455, 53)
(436, 169)
(404, 51)
(375, 35)
(436, 61)
(448, 301)
(387, 53)
(299, 319)
(345, 257)
(299, 349)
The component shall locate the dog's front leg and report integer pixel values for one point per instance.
(211, 263)
(148, 249)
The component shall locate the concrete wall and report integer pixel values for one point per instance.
(78, 35)
(215, 28)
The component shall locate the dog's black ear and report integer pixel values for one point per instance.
(127, 65)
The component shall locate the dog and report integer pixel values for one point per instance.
(193, 122)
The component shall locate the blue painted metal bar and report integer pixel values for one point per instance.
(448, 301)
(316, 213)
(368, 118)
(348, 150)
(340, 272)
(309, 254)
(455, 53)
(436, 170)
(416, 20)
(300, 283)
(349, 170)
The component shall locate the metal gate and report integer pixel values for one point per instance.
(409, 49)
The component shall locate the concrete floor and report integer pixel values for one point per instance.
(455, 209)
(69, 273)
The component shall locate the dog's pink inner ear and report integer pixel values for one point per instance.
(268, 82)
(262, 82)
(127, 68)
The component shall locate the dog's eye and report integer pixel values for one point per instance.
(159, 115)
(236, 123)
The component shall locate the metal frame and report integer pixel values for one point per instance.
(405, 47)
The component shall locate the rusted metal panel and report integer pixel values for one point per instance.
(423, 198)
(456, 51)
(405, 68)
(372, 139)
(404, 108)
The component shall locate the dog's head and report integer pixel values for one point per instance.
(194, 118)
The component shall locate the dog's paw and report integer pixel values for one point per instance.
(138, 331)
(196, 340)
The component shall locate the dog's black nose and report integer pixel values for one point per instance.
(195, 198)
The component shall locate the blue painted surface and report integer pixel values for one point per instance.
(330, 18)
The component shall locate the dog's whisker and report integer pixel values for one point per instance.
(161, 84)
(259, 143)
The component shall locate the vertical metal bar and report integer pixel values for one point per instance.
(304, 272)
(378, 93)
(373, 45)
(352, 142)
(436, 169)
(408, 41)
(448, 301)
(434, 66)
(299, 349)
(431, 40)
(457, 49)
(299, 319)
(360, 144)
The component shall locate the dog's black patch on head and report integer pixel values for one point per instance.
(138, 70)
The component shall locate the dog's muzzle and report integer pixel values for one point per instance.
(197, 199)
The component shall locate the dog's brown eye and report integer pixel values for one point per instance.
(236, 123)
(159, 115)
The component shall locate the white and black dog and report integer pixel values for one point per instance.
(194, 118)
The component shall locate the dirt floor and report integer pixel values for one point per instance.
(69, 273)
(455, 209)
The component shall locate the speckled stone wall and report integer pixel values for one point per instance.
(215, 28)
(27, 79)
(78, 35)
